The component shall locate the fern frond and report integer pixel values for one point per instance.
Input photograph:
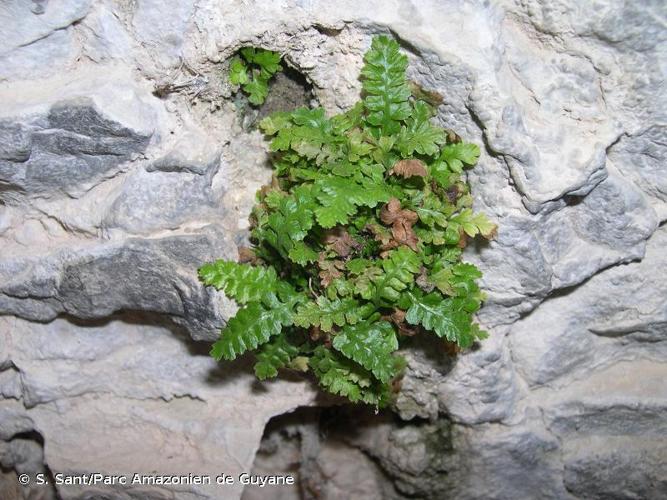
(290, 221)
(242, 282)
(275, 354)
(370, 344)
(442, 317)
(419, 135)
(398, 272)
(340, 197)
(324, 313)
(385, 85)
(459, 154)
(254, 324)
(344, 377)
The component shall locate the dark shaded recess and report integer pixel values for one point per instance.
(38, 492)
(572, 200)
(309, 430)
(288, 90)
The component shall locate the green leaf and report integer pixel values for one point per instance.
(343, 377)
(357, 266)
(474, 224)
(275, 122)
(440, 316)
(257, 90)
(385, 85)
(433, 211)
(340, 198)
(237, 72)
(364, 284)
(456, 155)
(242, 282)
(302, 254)
(399, 270)
(310, 134)
(255, 323)
(419, 135)
(370, 344)
(339, 287)
(467, 271)
(248, 53)
(442, 280)
(275, 354)
(290, 222)
(348, 120)
(325, 313)
(267, 60)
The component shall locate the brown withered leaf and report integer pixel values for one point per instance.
(430, 96)
(247, 256)
(398, 318)
(340, 241)
(452, 136)
(423, 282)
(401, 221)
(329, 270)
(404, 234)
(451, 348)
(409, 168)
(452, 193)
(493, 234)
(391, 211)
(315, 333)
(264, 190)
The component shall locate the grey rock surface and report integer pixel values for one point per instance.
(124, 166)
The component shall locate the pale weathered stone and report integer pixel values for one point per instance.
(124, 167)
(145, 384)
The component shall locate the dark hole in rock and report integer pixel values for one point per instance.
(572, 199)
(288, 90)
(327, 450)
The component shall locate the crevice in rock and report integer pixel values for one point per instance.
(326, 448)
(289, 89)
(23, 453)
(405, 43)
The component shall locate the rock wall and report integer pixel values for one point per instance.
(124, 165)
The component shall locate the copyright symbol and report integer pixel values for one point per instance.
(24, 479)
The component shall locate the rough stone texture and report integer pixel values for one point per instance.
(124, 166)
(133, 394)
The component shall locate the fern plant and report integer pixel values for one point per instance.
(357, 242)
(252, 70)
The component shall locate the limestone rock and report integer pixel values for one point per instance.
(124, 166)
(156, 275)
(38, 41)
(66, 142)
(147, 383)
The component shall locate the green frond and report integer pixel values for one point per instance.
(275, 354)
(324, 313)
(255, 323)
(398, 273)
(440, 316)
(370, 344)
(385, 85)
(242, 282)
(344, 377)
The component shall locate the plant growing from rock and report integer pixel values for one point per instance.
(252, 70)
(357, 242)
